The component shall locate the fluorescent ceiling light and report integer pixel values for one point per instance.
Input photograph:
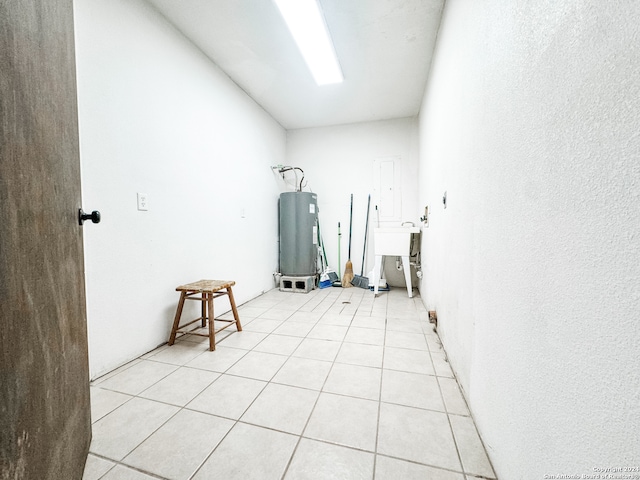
(306, 23)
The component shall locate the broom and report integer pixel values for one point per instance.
(348, 268)
(336, 281)
(360, 280)
(325, 280)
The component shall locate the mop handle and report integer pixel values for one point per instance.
(350, 225)
(366, 230)
(339, 245)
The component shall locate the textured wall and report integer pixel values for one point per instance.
(530, 123)
(157, 117)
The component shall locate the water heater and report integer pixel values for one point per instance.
(298, 222)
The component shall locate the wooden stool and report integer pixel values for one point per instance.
(204, 291)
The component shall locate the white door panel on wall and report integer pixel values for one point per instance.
(387, 192)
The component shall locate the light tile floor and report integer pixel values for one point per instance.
(332, 384)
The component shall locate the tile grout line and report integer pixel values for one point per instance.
(453, 436)
(318, 300)
(236, 421)
(119, 463)
(301, 436)
(180, 408)
(384, 343)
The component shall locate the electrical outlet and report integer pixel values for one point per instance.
(143, 201)
(425, 219)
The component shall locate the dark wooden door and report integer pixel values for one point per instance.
(45, 423)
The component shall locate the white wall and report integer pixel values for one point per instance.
(158, 117)
(530, 123)
(338, 161)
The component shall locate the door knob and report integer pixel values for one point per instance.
(93, 216)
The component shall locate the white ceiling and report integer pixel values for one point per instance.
(384, 48)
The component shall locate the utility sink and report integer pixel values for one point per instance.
(393, 241)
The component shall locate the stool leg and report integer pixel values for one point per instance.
(176, 320)
(235, 310)
(203, 310)
(212, 330)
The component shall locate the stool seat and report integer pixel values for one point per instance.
(204, 291)
(210, 286)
